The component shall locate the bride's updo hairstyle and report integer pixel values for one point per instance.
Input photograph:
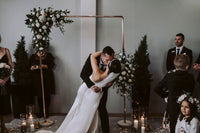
(114, 66)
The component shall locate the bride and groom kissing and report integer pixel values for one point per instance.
(98, 74)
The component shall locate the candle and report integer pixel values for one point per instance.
(142, 121)
(32, 127)
(23, 127)
(30, 120)
(142, 129)
(136, 124)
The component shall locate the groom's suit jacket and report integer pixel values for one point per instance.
(171, 55)
(87, 71)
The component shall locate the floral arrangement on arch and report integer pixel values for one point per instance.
(41, 20)
(125, 80)
(187, 96)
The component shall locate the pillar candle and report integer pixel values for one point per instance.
(136, 124)
(142, 129)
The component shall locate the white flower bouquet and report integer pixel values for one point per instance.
(41, 20)
(4, 70)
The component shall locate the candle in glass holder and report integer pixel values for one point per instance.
(23, 127)
(30, 119)
(32, 127)
(142, 129)
(136, 124)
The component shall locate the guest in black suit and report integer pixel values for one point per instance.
(179, 49)
(103, 60)
(175, 83)
(197, 68)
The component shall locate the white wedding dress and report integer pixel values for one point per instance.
(83, 115)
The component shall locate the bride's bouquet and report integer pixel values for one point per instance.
(4, 72)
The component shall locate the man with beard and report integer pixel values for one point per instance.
(179, 49)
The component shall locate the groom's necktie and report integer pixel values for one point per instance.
(178, 51)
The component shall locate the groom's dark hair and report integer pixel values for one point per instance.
(108, 50)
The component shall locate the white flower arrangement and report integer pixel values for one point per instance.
(4, 70)
(192, 100)
(41, 20)
(125, 81)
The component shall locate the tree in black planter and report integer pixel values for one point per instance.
(21, 78)
(141, 88)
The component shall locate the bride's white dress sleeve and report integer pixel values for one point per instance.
(107, 80)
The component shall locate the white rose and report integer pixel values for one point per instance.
(42, 18)
(1, 65)
(34, 38)
(120, 78)
(129, 80)
(40, 30)
(61, 21)
(6, 66)
(58, 16)
(43, 38)
(123, 73)
(44, 27)
(41, 48)
(53, 19)
(36, 45)
(39, 37)
(47, 23)
(31, 20)
(120, 54)
(33, 25)
(37, 24)
(130, 65)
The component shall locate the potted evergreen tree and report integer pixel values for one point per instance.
(21, 78)
(141, 88)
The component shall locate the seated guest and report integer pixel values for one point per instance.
(179, 49)
(188, 121)
(175, 82)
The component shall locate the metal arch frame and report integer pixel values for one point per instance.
(99, 16)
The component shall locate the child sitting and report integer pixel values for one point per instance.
(188, 121)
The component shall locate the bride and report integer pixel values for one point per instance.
(83, 115)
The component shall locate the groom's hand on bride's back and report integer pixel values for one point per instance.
(96, 89)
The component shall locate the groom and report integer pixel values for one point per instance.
(103, 60)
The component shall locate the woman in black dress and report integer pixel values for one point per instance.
(48, 78)
(5, 106)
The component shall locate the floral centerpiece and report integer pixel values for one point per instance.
(125, 80)
(4, 72)
(41, 20)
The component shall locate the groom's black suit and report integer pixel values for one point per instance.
(171, 55)
(85, 74)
